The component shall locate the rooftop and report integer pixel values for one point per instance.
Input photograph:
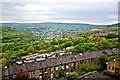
(94, 75)
(50, 62)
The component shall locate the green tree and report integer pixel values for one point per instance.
(55, 41)
(61, 74)
(104, 44)
(72, 76)
(89, 46)
(78, 49)
(30, 49)
(4, 62)
(43, 51)
(111, 36)
(102, 62)
(85, 68)
(67, 44)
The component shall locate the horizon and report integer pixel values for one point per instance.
(54, 23)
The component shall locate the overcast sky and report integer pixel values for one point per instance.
(67, 11)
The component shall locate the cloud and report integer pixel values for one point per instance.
(75, 11)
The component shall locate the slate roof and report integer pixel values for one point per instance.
(109, 52)
(39, 65)
(94, 75)
(70, 58)
(31, 66)
(116, 51)
(79, 57)
(90, 55)
(51, 62)
(63, 59)
(42, 64)
(96, 54)
(16, 68)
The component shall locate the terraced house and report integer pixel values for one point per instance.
(114, 66)
(50, 67)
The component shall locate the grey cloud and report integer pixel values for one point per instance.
(104, 12)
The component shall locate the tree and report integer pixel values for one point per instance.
(4, 62)
(75, 41)
(102, 62)
(55, 47)
(43, 51)
(61, 74)
(23, 53)
(72, 76)
(49, 49)
(67, 44)
(55, 41)
(89, 46)
(111, 36)
(78, 49)
(104, 44)
(85, 68)
(30, 49)
(13, 56)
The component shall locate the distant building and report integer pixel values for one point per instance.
(96, 29)
(114, 66)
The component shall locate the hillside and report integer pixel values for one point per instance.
(49, 25)
(17, 43)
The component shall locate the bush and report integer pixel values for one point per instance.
(85, 68)
(72, 76)
(111, 36)
(116, 76)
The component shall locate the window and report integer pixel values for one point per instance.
(56, 68)
(117, 70)
(40, 71)
(62, 67)
(113, 68)
(67, 66)
(89, 61)
(72, 64)
(45, 70)
(33, 73)
(51, 75)
(81, 62)
(84, 61)
(76, 64)
(52, 69)
(94, 60)
(40, 77)
(109, 67)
